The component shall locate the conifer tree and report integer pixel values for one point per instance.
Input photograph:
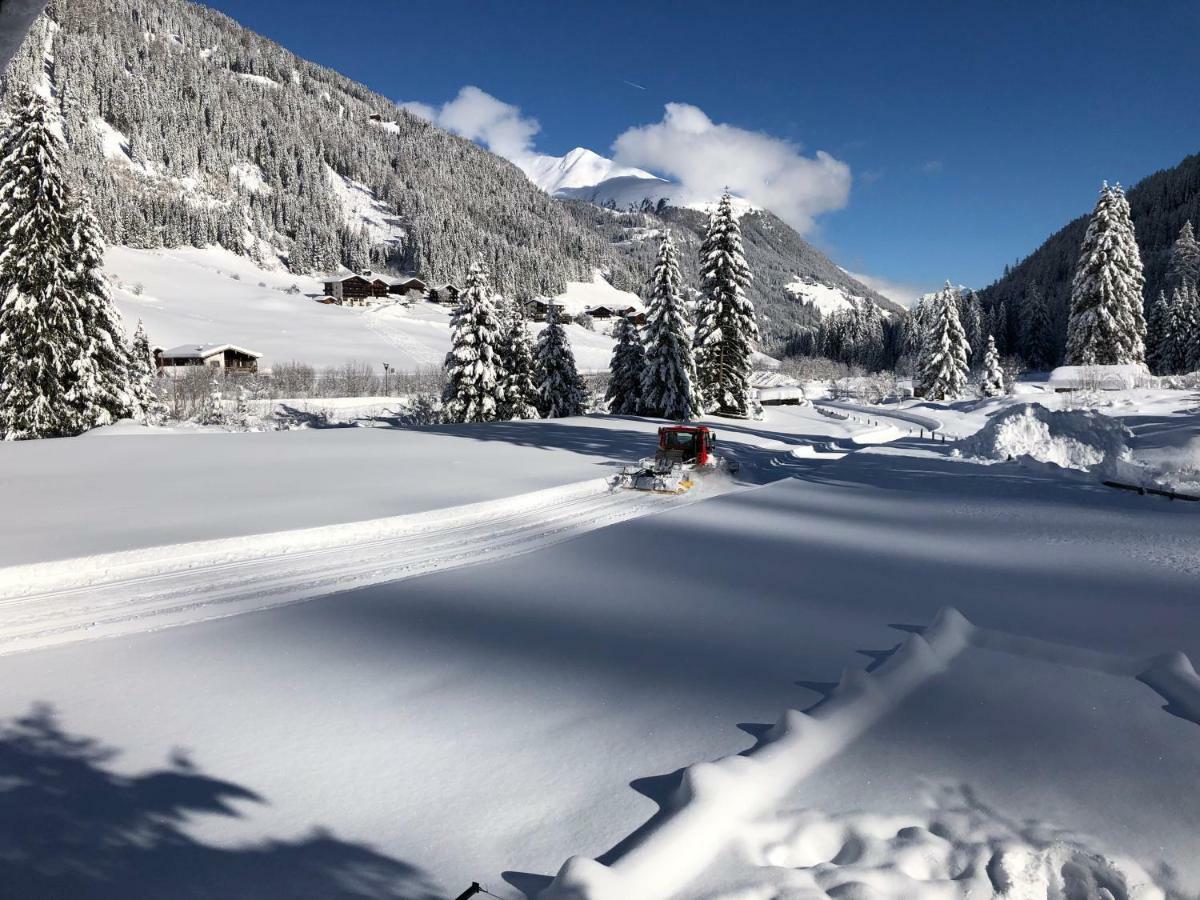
(725, 323)
(626, 369)
(560, 390)
(42, 337)
(1184, 263)
(1037, 330)
(518, 388)
(1158, 324)
(472, 365)
(669, 382)
(145, 402)
(971, 316)
(102, 390)
(1107, 325)
(1188, 329)
(992, 382)
(945, 369)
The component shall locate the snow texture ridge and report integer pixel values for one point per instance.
(717, 801)
(119, 593)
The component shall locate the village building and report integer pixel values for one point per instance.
(538, 309)
(228, 357)
(445, 294)
(358, 290)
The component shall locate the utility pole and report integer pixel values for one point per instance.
(386, 368)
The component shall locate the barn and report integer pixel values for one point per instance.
(229, 357)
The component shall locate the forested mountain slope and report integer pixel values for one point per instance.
(188, 129)
(1160, 204)
(777, 255)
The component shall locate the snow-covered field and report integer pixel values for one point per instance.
(483, 693)
(188, 295)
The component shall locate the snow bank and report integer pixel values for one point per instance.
(1072, 439)
(715, 799)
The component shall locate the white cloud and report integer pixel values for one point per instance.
(706, 157)
(932, 167)
(478, 116)
(898, 292)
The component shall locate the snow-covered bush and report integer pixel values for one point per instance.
(422, 409)
(1073, 439)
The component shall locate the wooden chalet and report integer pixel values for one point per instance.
(445, 294)
(601, 312)
(229, 357)
(538, 309)
(356, 289)
(633, 314)
(407, 285)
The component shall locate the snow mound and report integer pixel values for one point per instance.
(1072, 439)
(960, 848)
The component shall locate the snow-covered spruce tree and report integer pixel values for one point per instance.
(971, 316)
(1188, 329)
(991, 384)
(518, 389)
(1158, 322)
(626, 369)
(560, 390)
(145, 402)
(472, 365)
(725, 323)
(1037, 330)
(1185, 259)
(669, 382)
(944, 368)
(1107, 325)
(102, 390)
(42, 339)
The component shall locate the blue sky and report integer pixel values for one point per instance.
(972, 129)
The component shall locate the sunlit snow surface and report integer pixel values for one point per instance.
(486, 722)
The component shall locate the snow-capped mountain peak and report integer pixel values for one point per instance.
(577, 169)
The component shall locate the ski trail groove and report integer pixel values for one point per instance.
(124, 593)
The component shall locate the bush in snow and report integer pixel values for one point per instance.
(1073, 439)
(1107, 325)
(560, 390)
(422, 409)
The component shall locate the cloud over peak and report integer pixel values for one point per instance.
(707, 157)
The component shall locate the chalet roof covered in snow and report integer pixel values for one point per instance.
(1102, 378)
(204, 351)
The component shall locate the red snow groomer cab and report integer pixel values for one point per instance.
(681, 450)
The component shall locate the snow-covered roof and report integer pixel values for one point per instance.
(204, 351)
(1103, 378)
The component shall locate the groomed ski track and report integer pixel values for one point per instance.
(122, 593)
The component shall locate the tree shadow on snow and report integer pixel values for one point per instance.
(70, 826)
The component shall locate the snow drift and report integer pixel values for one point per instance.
(1072, 439)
